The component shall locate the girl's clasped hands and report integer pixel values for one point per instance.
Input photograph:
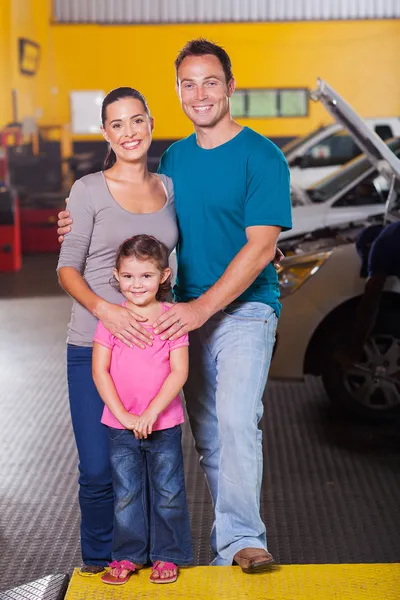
(142, 425)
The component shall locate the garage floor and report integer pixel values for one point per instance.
(331, 490)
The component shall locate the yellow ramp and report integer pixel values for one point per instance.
(291, 582)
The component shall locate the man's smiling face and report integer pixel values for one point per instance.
(203, 90)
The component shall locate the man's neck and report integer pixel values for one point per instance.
(212, 137)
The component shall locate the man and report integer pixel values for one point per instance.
(232, 198)
(379, 249)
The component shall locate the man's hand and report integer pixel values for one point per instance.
(144, 423)
(124, 324)
(277, 258)
(179, 320)
(63, 223)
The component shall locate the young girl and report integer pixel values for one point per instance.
(143, 413)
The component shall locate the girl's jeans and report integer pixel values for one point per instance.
(95, 483)
(229, 358)
(151, 515)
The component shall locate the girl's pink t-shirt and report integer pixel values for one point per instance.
(138, 375)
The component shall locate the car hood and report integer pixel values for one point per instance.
(299, 195)
(304, 219)
(383, 159)
(325, 238)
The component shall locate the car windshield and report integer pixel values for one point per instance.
(299, 141)
(331, 185)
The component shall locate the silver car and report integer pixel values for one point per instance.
(321, 285)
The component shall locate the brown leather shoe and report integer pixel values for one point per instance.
(252, 560)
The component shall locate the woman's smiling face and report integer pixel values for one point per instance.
(128, 129)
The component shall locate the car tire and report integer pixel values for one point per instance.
(370, 388)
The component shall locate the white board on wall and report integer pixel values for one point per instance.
(85, 107)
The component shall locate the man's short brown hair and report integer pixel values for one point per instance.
(200, 47)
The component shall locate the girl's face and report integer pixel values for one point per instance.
(128, 129)
(139, 280)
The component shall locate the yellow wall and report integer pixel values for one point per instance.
(27, 19)
(358, 58)
(5, 74)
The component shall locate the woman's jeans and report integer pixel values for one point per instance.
(95, 482)
(151, 515)
(229, 358)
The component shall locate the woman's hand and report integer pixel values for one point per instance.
(124, 324)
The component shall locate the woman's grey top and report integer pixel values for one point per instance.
(99, 226)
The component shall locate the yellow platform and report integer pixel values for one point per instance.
(294, 582)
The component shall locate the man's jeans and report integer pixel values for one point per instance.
(151, 514)
(95, 483)
(229, 362)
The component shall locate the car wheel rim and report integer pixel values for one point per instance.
(374, 381)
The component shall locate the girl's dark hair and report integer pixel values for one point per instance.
(113, 96)
(147, 247)
(200, 47)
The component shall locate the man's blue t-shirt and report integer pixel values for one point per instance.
(218, 193)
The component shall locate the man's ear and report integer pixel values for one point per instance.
(231, 87)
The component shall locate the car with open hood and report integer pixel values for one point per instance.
(321, 285)
(353, 193)
(321, 152)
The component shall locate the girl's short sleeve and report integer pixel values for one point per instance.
(104, 337)
(179, 343)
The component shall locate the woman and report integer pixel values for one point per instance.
(107, 207)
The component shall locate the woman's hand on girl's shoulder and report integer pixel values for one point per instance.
(124, 324)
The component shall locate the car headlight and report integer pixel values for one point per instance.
(295, 271)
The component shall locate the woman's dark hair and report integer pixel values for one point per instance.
(147, 247)
(200, 47)
(113, 96)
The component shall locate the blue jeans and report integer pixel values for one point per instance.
(229, 362)
(95, 483)
(151, 515)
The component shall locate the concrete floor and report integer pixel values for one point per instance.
(331, 490)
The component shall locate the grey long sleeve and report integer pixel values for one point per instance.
(99, 226)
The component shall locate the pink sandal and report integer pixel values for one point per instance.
(120, 566)
(161, 566)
